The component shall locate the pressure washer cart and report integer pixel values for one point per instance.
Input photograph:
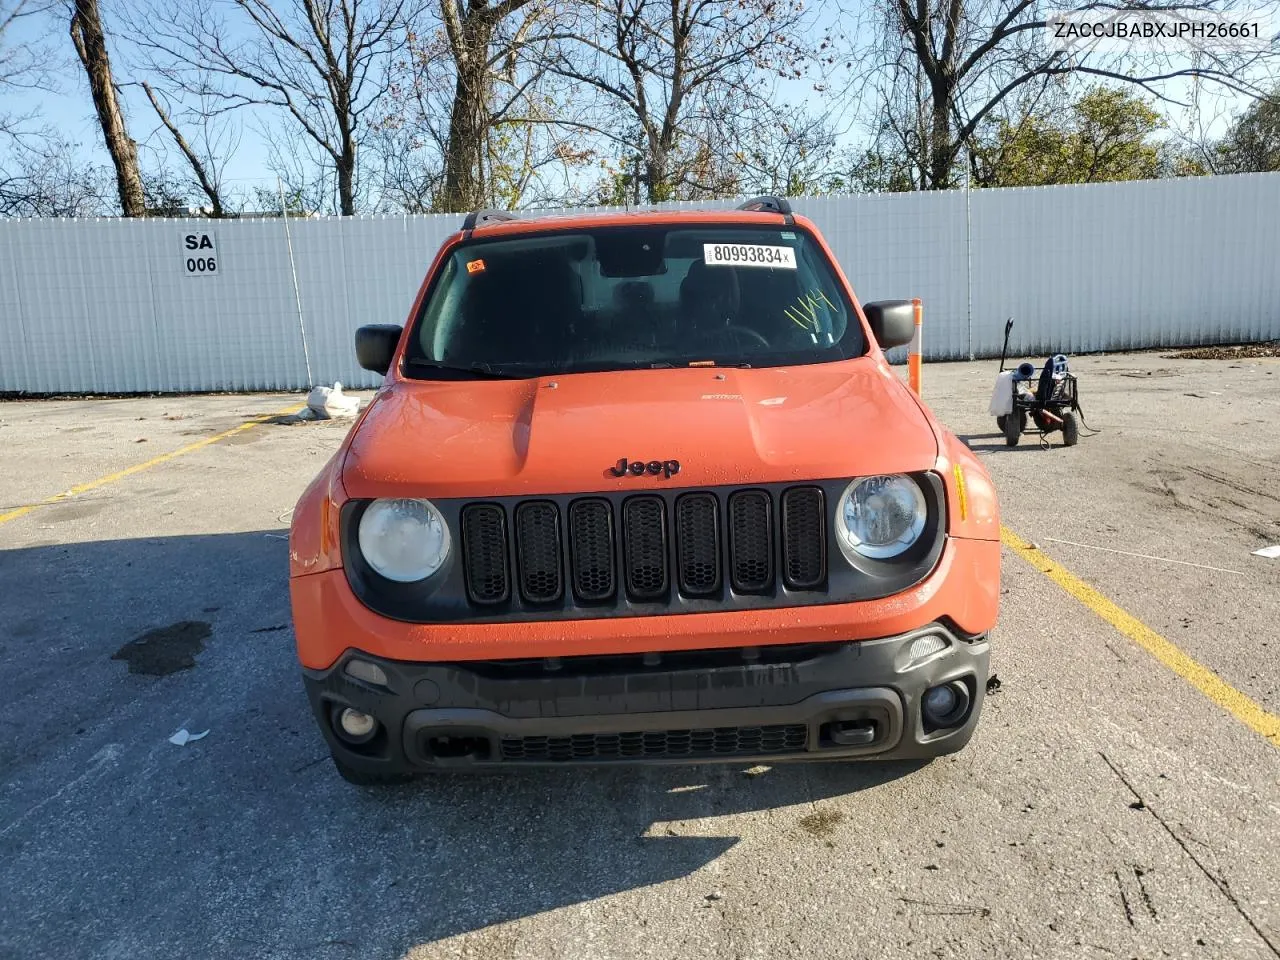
(1048, 398)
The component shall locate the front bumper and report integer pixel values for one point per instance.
(789, 702)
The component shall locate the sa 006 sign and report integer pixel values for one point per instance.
(199, 255)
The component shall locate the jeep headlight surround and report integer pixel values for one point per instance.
(880, 517)
(404, 540)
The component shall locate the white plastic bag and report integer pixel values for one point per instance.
(1002, 396)
(331, 403)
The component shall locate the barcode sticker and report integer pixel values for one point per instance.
(748, 255)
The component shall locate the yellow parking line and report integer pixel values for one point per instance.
(139, 467)
(1243, 708)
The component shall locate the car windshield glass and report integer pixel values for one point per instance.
(634, 297)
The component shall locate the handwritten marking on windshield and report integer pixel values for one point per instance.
(804, 312)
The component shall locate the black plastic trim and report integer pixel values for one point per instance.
(790, 581)
(479, 218)
(472, 592)
(576, 507)
(833, 688)
(631, 545)
(769, 204)
(765, 583)
(690, 501)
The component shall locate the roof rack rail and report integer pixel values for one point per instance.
(478, 218)
(768, 204)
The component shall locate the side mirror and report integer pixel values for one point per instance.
(376, 345)
(893, 322)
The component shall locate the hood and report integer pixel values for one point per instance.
(491, 438)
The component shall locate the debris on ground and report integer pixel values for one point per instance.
(183, 737)
(822, 823)
(330, 403)
(1270, 553)
(1244, 351)
(993, 684)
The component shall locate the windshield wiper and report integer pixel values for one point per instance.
(477, 371)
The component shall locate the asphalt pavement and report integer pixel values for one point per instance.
(1107, 807)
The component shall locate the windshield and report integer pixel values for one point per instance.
(634, 297)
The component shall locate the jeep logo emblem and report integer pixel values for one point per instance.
(667, 468)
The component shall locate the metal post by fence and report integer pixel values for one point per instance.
(968, 253)
(916, 350)
(297, 294)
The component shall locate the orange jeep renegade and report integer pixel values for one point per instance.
(643, 488)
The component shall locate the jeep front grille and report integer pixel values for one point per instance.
(704, 545)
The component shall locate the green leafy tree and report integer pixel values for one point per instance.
(1252, 145)
(1106, 135)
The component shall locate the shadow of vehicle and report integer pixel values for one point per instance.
(1030, 441)
(247, 841)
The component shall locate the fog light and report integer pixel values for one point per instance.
(945, 705)
(366, 671)
(926, 646)
(938, 702)
(354, 726)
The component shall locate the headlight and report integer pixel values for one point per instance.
(404, 540)
(880, 517)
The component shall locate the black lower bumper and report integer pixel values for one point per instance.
(763, 704)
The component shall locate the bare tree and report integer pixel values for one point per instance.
(794, 150)
(18, 66)
(15, 63)
(204, 165)
(324, 63)
(472, 26)
(940, 68)
(472, 119)
(91, 46)
(662, 73)
(42, 176)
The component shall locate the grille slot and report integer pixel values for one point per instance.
(698, 544)
(591, 550)
(538, 551)
(751, 541)
(644, 539)
(656, 744)
(484, 543)
(804, 546)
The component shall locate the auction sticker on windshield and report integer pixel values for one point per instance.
(748, 255)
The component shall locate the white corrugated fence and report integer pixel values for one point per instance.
(132, 305)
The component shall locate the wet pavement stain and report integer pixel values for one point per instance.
(62, 512)
(165, 650)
